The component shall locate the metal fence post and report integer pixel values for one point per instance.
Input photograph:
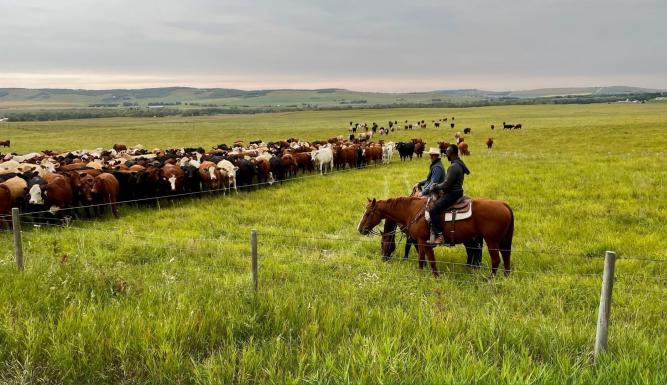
(605, 303)
(18, 245)
(253, 252)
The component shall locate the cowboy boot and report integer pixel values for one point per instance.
(439, 239)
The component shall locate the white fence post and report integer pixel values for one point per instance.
(605, 304)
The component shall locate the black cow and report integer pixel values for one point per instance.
(277, 168)
(406, 150)
(192, 183)
(246, 172)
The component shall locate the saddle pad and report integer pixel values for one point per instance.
(447, 216)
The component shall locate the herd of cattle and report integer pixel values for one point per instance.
(51, 184)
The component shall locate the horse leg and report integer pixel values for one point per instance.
(494, 253)
(421, 252)
(408, 245)
(431, 259)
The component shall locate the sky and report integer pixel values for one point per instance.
(366, 45)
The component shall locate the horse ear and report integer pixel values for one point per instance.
(369, 199)
(374, 201)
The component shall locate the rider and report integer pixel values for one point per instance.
(436, 172)
(452, 188)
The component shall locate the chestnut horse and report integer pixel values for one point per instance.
(491, 219)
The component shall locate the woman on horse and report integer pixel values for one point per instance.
(452, 189)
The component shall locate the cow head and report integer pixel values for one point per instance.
(36, 194)
(88, 187)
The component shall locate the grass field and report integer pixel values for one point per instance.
(163, 295)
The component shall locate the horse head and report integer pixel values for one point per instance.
(370, 219)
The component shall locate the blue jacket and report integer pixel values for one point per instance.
(436, 175)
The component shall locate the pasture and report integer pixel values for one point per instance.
(163, 295)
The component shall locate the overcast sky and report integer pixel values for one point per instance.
(372, 45)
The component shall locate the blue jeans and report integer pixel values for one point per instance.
(440, 205)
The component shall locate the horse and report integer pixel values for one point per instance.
(493, 220)
(388, 245)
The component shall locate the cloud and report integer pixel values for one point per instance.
(387, 44)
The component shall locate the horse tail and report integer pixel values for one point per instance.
(506, 242)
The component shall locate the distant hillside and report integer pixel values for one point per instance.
(185, 97)
(20, 104)
(549, 92)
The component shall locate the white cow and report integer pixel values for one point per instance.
(387, 152)
(323, 157)
(230, 169)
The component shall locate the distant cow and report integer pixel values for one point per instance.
(467, 130)
(507, 126)
(517, 126)
(437, 124)
(452, 125)
(443, 147)
(489, 143)
(493, 127)
(5, 143)
(119, 147)
(463, 149)
(420, 145)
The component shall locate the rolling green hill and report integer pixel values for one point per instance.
(185, 97)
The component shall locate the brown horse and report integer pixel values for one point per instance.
(491, 219)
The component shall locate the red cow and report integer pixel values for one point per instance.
(489, 143)
(106, 187)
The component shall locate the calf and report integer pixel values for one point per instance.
(5, 143)
(489, 143)
(467, 130)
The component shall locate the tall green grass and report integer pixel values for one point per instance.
(164, 295)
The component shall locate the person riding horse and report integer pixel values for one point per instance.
(452, 189)
(436, 173)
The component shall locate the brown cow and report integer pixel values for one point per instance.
(420, 145)
(211, 177)
(463, 148)
(489, 143)
(58, 192)
(5, 205)
(174, 176)
(106, 187)
(373, 154)
(5, 143)
(18, 187)
(289, 164)
(264, 171)
(304, 161)
(119, 147)
(443, 147)
(349, 156)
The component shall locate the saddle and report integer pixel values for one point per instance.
(460, 210)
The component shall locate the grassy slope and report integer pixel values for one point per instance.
(148, 299)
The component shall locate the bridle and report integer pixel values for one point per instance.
(403, 229)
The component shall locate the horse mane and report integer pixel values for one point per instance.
(391, 203)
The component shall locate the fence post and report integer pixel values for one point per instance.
(18, 246)
(605, 303)
(253, 252)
